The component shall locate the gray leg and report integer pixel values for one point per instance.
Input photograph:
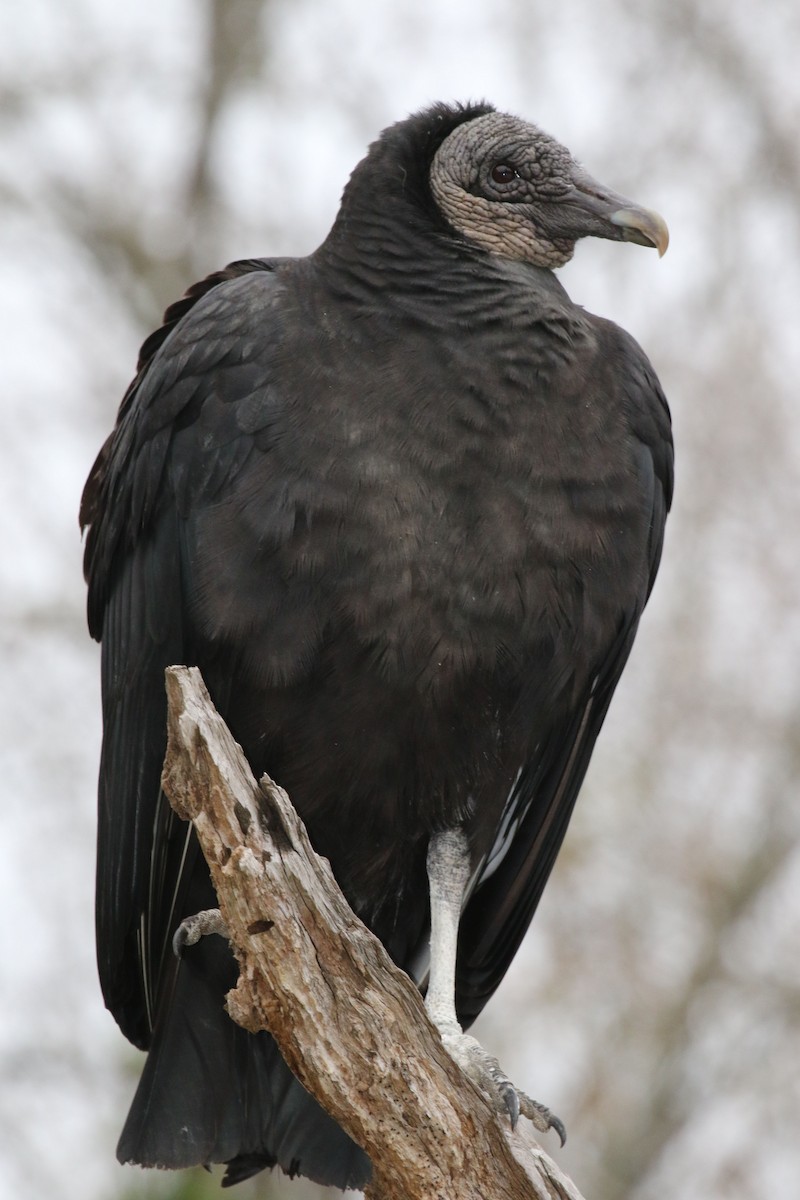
(448, 875)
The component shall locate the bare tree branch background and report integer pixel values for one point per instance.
(656, 1003)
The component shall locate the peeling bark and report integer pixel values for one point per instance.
(350, 1024)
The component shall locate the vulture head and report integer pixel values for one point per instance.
(516, 191)
(501, 183)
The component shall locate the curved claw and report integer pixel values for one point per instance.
(180, 940)
(558, 1125)
(511, 1101)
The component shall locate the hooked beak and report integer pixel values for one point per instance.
(609, 215)
(643, 226)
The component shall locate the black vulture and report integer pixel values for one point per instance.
(402, 502)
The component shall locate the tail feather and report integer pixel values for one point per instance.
(212, 1093)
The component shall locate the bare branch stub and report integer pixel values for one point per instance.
(350, 1024)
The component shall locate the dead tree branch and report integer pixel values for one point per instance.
(350, 1024)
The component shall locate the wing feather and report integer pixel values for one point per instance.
(509, 884)
(133, 565)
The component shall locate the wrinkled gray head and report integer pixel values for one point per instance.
(517, 192)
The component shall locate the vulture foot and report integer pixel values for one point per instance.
(200, 925)
(484, 1070)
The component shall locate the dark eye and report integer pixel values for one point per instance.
(503, 173)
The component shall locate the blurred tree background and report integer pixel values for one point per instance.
(656, 1002)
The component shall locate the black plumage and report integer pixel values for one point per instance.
(403, 503)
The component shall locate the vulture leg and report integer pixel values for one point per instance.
(448, 876)
(200, 925)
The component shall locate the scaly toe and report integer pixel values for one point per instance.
(193, 928)
(541, 1116)
(484, 1070)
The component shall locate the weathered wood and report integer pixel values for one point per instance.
(350, 1024)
